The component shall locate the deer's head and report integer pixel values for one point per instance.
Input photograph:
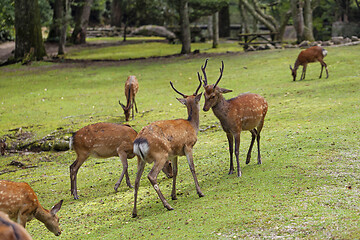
(212, 92)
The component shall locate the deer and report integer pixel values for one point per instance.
(166, 140)
(2, 146)
(312, 54)
(131, 89)
(104, 140)
(19, 201)
(10, 230)
(246, 112)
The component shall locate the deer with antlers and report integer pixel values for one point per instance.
(168, 139)
(244, 112)
(19, 201)
(104, 140)
(131, 89)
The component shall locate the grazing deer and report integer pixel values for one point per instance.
(131, 88)
(312, 54)
(2, 146)
(10, 230)
(168, 139)
(244, 112)
(19, 201)
(104, 140)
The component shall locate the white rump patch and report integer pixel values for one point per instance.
(141, 149)
(324, 52)
(71, 143)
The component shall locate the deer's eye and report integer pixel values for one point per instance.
(212, 97)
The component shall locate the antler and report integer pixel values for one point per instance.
(196, 92)
(183, 95)
(221, 72)
(203, 70)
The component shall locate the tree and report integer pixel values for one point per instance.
(82, 14)
(29, 42)
(116, 13)
(302, 18)
(185, 26)
(64, 13)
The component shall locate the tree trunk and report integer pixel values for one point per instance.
(308, 28)
(224, 22)
(28, 30)
(81, 21)
(298, 19)
(215, 30)
(283, 24)
(116, 14)
(260, 17)
(210, 27)
(185, 27)
(55, 31)
(65, 6)
(244, 19)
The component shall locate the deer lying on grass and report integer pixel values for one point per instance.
(312, 54)
(168, 139)
(2, 146)
(10, 230)
(245, 112)
(19, 201)
(104, 140)
(131, 88)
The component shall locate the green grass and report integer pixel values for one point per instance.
(307, 187)
(145, 49)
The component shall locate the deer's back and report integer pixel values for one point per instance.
(246, 111)
(312, 54)
(103, 139)
(169, 136)
(16, 195)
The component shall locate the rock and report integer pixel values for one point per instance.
(347, 40)
(269, 46)
(337, 40)
(304, 44)
(327, 43)
(153, 30)
(354, 38)
(261, 47)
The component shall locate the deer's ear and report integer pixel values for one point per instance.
(224, 90)
(198, 97)
(182, 100)
(290, 67)
(122, 105)
(56, 208)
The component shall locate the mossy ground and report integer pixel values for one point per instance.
(307, 187)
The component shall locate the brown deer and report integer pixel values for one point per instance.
(244, 112)
(131, 88)
(312, 54)
(168, 139)
(104, 140)
(2, 146)
(10, 230)
(19, 201)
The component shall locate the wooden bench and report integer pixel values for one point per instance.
(250, 37)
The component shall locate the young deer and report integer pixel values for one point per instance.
(312, 54)
(2, 146)
(104, 140)
(19, 201)
(10, 230)
(244, 112)
(168, 139)
(131, 88)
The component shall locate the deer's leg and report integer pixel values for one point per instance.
(132, 110)
(261, 124)
(237, 145)
(189, 157)
(135, 105)
(123, 158)
(140, 170)
(175, 171)
(303, 72)
(253, 136)
(74, 168)
(231, 150)
(323, 64)
(152, 176)
(21, 219)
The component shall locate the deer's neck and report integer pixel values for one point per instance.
(42, 214)
(297, 64)
(193, 116)
(221, 109)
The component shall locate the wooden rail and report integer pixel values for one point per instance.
(250, 37)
